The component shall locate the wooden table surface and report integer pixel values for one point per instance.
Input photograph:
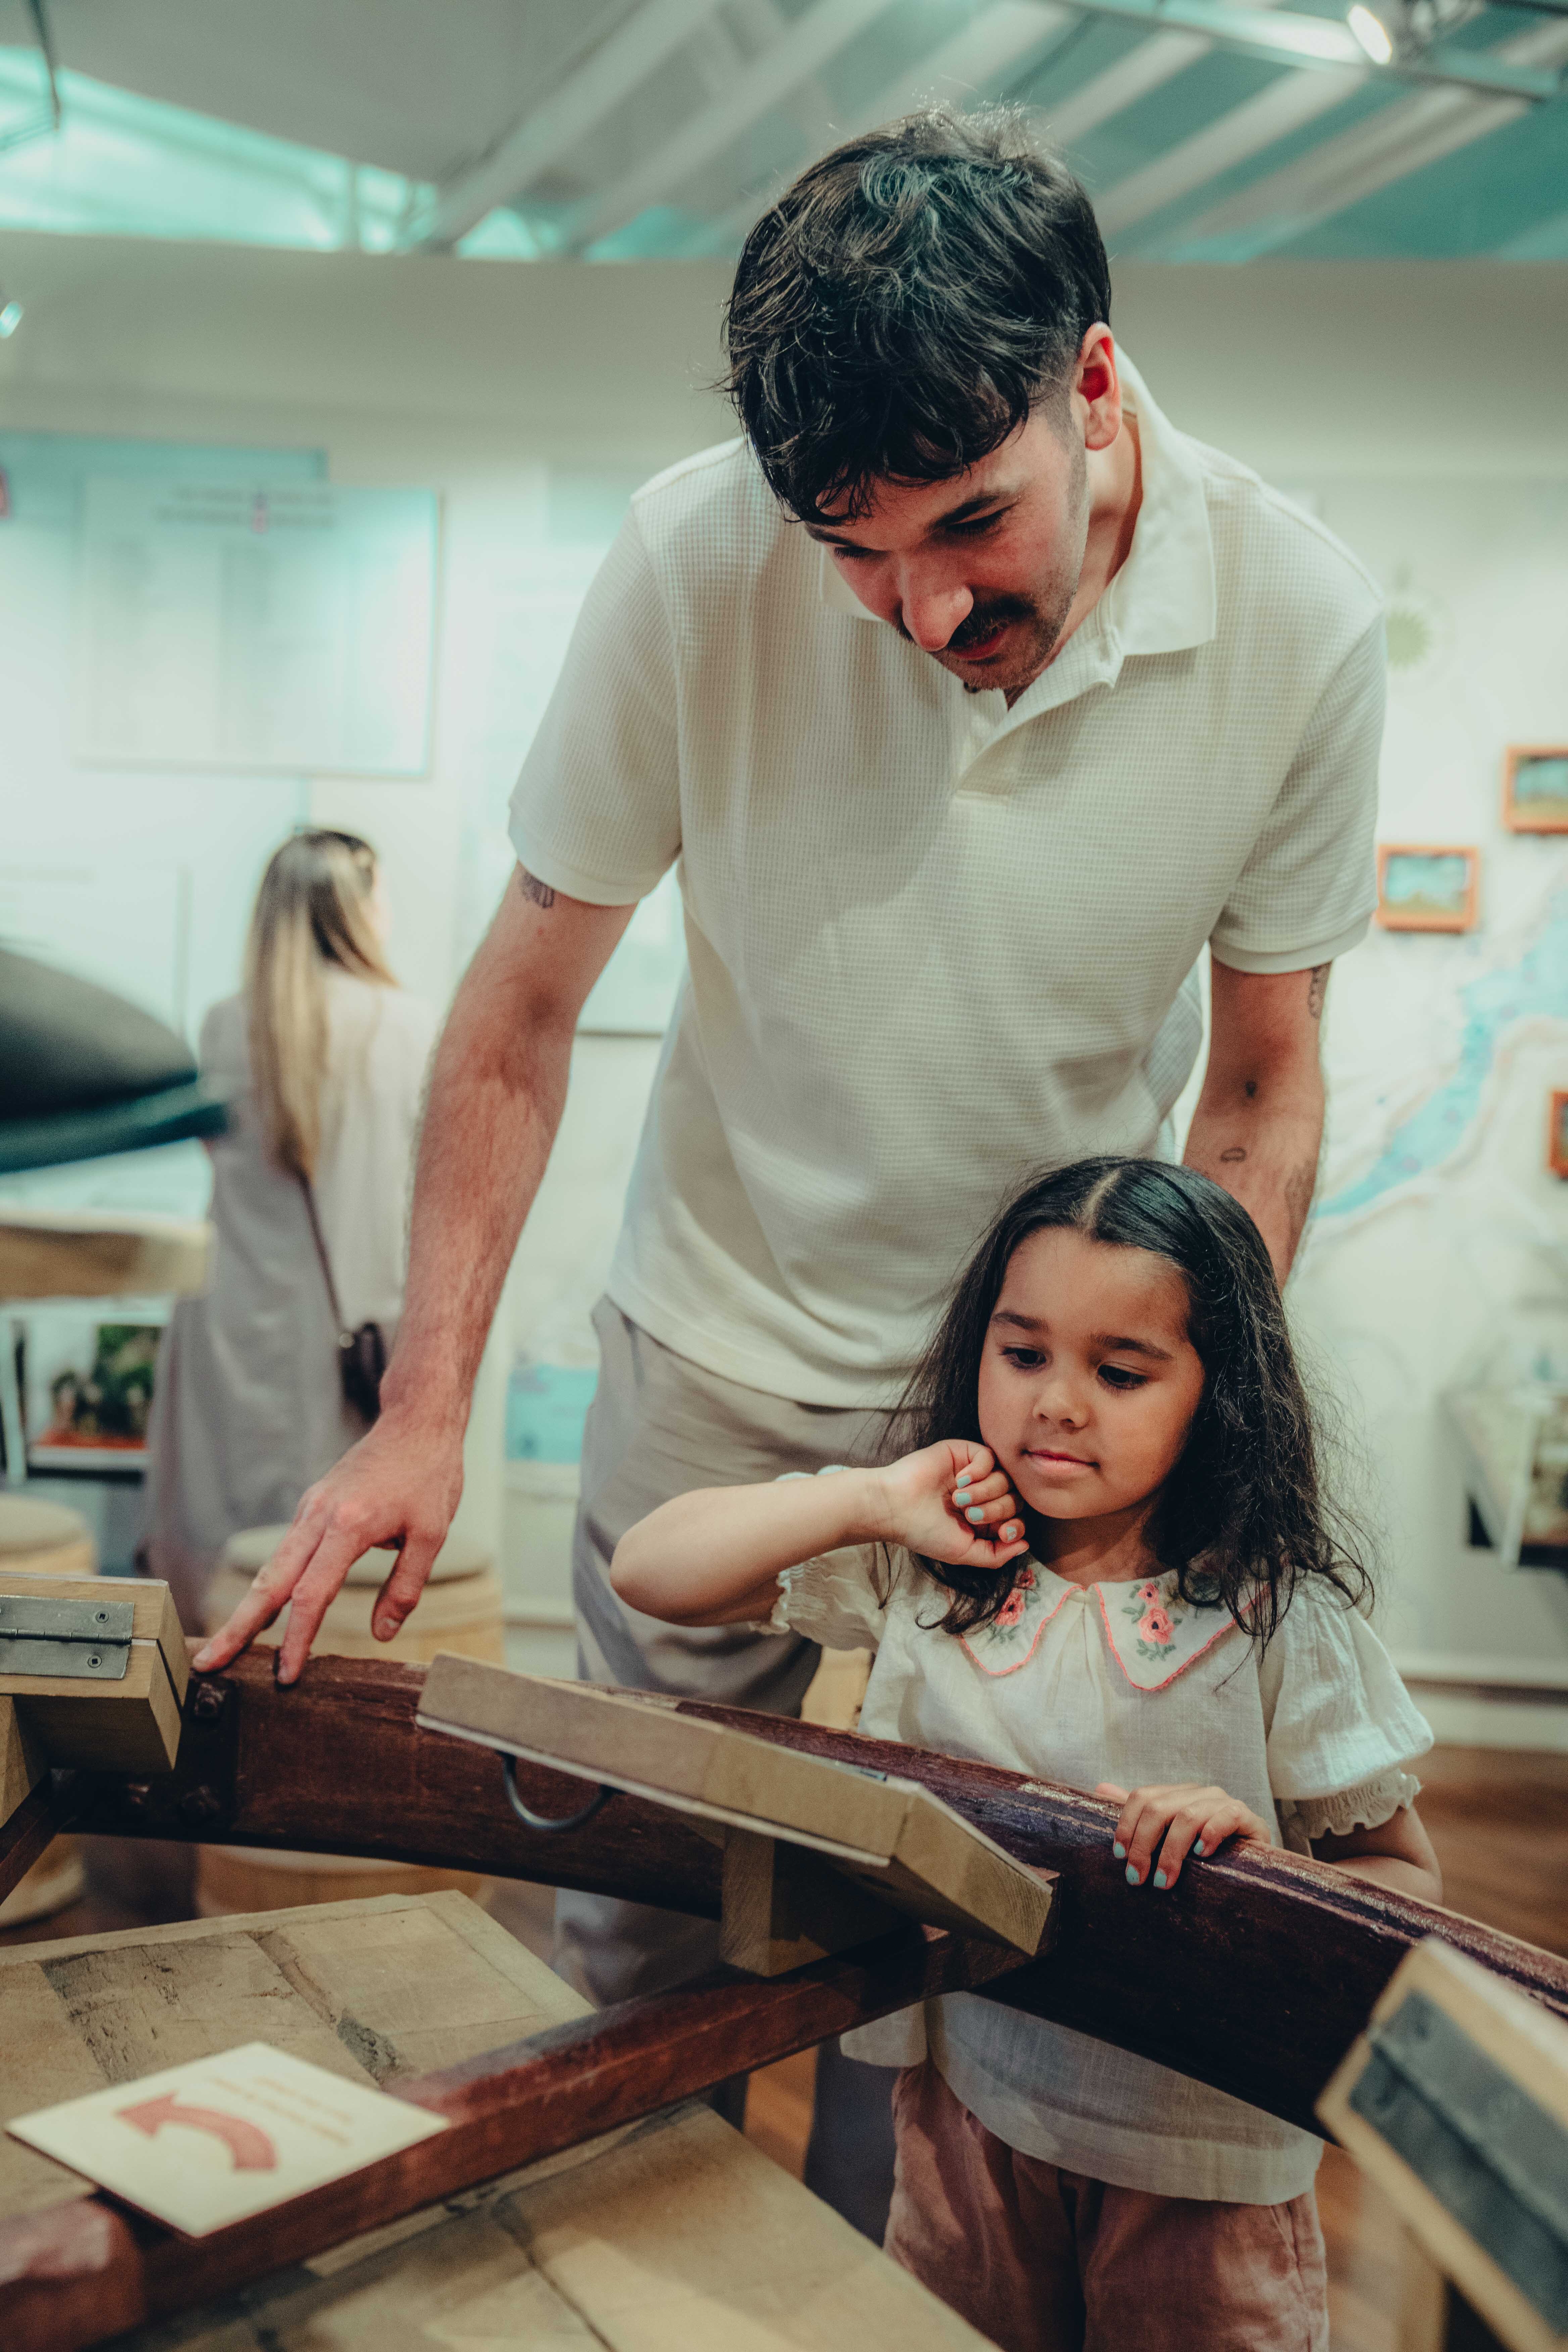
(675, 2236)
(101, 1254)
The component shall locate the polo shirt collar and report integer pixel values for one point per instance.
(1163, 600)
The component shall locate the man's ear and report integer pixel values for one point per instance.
(1096, 388)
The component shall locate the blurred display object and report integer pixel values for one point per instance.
(107, 1405)
(258, 625)
(547, 1409)
(1557, 1132)
(1535, 788)
(1513, 1458)
(1422, 888)
(84, 1073)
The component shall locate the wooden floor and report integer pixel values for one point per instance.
(1498, 1818)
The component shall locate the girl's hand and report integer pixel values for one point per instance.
(1190, 1819)
(951, 1502)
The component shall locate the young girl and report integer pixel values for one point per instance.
(1105, 1562)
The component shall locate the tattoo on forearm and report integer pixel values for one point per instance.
(1229, 1157)
(538, 893)
(1317, 989)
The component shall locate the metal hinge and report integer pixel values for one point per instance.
(87, 1640)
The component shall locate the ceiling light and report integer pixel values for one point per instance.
(1372, 33)
(10, 319)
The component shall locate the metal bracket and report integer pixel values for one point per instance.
(541, 1821)
(86, 1641)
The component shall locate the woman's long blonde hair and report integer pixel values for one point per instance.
(313, 910)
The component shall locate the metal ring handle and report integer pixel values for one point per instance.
(538, 1820)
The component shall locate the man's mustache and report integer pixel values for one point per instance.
(986, 619)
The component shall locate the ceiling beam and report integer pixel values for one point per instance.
(1287, 104)
(965, 67)
(1324, 43)
(1147, 67)
(1370, 156)
(45, 40)
(552, 131)
(825, 28)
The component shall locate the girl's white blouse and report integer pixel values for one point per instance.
(1125, 1683)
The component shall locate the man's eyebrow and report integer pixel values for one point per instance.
(832, 534)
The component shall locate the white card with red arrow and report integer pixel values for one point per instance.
(219, 2139)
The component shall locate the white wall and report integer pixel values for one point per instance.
(1421, 404)
(485, 384)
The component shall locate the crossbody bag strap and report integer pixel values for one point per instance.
(320, 1239)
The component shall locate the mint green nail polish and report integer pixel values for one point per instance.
(976, 1514)
(1118, 1849)
(1132, 1874)
(1198, 1846)
(1159, 1878)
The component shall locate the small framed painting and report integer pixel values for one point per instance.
(1421, 888)
(1557, 1133)
(1535, 788)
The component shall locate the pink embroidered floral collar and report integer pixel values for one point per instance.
(1154, 1635)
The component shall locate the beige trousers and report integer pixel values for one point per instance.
(659, 1426)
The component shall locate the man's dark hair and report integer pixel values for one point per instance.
(903, 307)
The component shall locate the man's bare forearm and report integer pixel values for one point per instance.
(484, 1144)
(1265, 1154)
(1259, 1126)
(497, 1089)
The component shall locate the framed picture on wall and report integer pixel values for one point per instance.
(1557, 1133)
(1425, 888)
(1535, 788)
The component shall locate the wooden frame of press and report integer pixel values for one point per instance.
(336, 1764)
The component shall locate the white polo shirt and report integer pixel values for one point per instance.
(935, 943)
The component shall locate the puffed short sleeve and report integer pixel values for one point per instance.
(1341, 1727)
(832, 1599)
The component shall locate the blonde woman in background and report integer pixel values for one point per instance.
(323, 1057)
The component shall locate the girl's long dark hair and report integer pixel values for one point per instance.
(1242, 1518)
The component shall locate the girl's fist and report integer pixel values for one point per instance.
(952, 1502)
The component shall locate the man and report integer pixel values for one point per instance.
(973, 699)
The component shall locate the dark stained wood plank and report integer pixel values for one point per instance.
(1301, 1950)
(334, 1764)
(36, 1820)
(84, 2271)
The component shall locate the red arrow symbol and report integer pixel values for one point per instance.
(250, 2148)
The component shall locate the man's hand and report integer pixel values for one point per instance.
(496, 1092)
(1185, 1818)
(397, 1488)
(951, 1502)
(1259, 1126)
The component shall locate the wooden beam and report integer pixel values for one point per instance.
(78, 2274)
(1266, 1964)
(22, 1838)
